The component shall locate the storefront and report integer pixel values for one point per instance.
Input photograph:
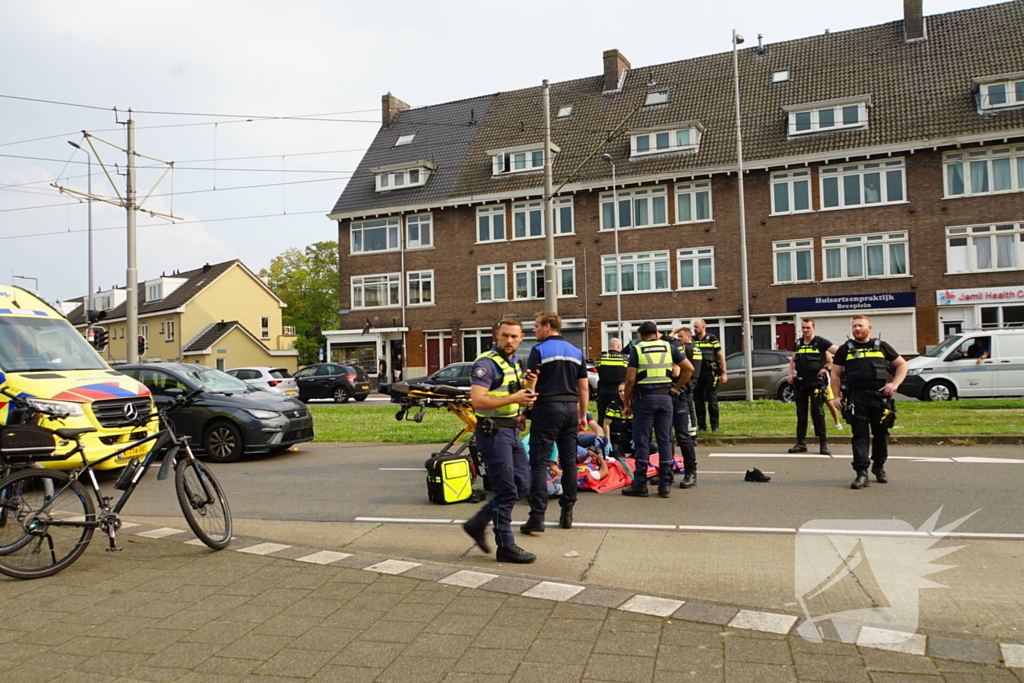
(892, 316)
(353, 347)
(979, 308)
(769, 331)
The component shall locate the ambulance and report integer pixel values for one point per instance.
(44, 360)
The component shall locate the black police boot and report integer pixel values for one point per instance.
(823, 449)
(636, 491)
(477, 531)
(800, 447)
(861, 482)
(514, 555)
(565, 519)
(689, 479)
(532, 526)
(880, 476)
(664, 489)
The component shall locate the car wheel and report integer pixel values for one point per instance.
(341, 395)
(223, 442)
(361, 398)
(939, 390)
(786, 393)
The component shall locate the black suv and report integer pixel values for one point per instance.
(332, 380)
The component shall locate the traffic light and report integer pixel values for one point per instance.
(142, 346)
(97, 336)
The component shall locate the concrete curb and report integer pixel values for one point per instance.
(895, 439)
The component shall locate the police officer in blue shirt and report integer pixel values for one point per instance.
(558, 416)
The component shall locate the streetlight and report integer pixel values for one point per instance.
(88, 296)
(618, 267)
(24, 277)
(745, 332)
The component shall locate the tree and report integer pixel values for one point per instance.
(307, 281)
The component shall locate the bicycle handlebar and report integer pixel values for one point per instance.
(26, 405)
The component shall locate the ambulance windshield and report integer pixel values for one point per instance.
(40, 344)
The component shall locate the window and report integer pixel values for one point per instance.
(984, 171)
(170, 331)
(264, 328)
(656, 97)
(865, 256)
(405, 139)
(103, 302)
(418, 231)
(663, 141)
(490, 223)
(1001, 92)
(376, 235)
(794, 261)
(517, 159)
(696, 268)
(693, 202)
(791, 192)
(154, 292)
(1002, 316)
(421, 287)
(564, 111)
(529, 279)
(780, 76)
(563, 216)
(641, 272)
(637, 208)
(144, 330)
(396, 177)
(527, 220)
(828, 116)
(491, 281)
(376, 291)
(852, 185)
(979, 248)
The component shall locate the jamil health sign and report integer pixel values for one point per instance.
(979, 295)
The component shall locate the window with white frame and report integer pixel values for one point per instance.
(696, 268)
(663, 141)
(491, 282)
(852, 185)
(102, 302)
(529, 279)
(264, 328)
(791, 192)
(1000, 92)
(405, 139)
(982, 248)
(421, 287)
(527, 220)
(144, 330)
(564, 216)
(693, 202)
(154, 292)
(490, 223)
(376, 291)
(637, 208)
(375, 235)
(169, 331)
(821, 117)
(656, 97)
(639, 272)
(564, 111)
(983, 171)
(419, 231)
(517, 159)
(794, 261)
(780, 76)
(399, 178)
(853, 257)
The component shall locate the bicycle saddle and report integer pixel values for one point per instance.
(67, 434)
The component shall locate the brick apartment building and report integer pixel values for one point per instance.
(884, 173)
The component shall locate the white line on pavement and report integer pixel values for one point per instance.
(159, 533)
(754, 529)
(392, 567)
(401, 469)
(264, 548)
(774, 455)
(403, 520)
(992, 461)
(598, 525)
(324, 557)
(550, 590)
(646, 604)
(468, 579)
(768, 622)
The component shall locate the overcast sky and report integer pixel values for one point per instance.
(270, 59)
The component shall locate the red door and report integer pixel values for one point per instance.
(447, 350)
(433, 356)
(785, 336)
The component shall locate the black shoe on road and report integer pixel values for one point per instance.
(565, 519)
(756, 475)
(532, 526)
(514, 555)
(689, 480)
(824, 448)
(636, 491)
(880, 476)
(861, 482)
(800, 447)
(478, 533)
(664, 490)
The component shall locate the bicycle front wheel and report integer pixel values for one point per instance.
(44, 523)
(203, 503)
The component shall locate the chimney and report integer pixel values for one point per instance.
(206, 268)
(615, 66)
(389, 108)
(913, 21)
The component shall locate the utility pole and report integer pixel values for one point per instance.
(550, 276)
(746, 335)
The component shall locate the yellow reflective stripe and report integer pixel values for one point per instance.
(858, 353)
(509, 375)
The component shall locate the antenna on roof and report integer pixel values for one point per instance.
(472, 116)
(651, 83)
(522, 127)
(760, 45)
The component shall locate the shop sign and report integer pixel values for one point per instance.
(978, 295)
(851, 302)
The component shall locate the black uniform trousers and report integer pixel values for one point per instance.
(807, 394)
(866, 425)
(508, 474)
(605, 395)
(653, 410)
(551, 423)
(706, 393)
(681, 423)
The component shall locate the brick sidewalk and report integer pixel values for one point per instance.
(171, 611)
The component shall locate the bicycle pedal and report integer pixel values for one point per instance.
(114, 549)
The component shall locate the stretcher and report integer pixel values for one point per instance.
(454, 399)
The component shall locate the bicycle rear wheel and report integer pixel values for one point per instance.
(43, 530)
(203, 503)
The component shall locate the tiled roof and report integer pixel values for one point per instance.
(211, 335)
(920, 91)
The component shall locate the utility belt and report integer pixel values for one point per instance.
(654, 392)
(887, 417)
(558, 398)
(490, 425)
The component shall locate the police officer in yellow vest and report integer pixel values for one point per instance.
(611, 372)
(683, 423)
(650, 397)
(872, 371)
(499, 390)
(808, 375)
(712, 372)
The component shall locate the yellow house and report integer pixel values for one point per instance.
(221, 315)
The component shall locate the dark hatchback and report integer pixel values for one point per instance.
(454, 375)
(230, 419)
(332, 380)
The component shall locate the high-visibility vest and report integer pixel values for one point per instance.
(808, 359)
(866, 369)
(654, 362)
(611, 368)
(511, 382)
(709, 347)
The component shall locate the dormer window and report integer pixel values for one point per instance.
(405, 139)
(1000, 92)
(518, 159)
(656, 97)
(403, 176)
(678, 137)
(821, 117)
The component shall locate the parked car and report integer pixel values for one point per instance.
(454, 375)
(592, 378)
(333, 380)
(770, 371)
(230, 419)
(969, 365)
(274, 380)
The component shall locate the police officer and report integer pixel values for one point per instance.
(611, 372)
(682, 423)
(558, 416)
(650, 398)
(712, 371)
(808, 375)
(499, 389)
(866, 365)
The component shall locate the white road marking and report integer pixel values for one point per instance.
(599, 525)
(773, 455)
(263, 548)
(468, 579)
(392, 567)
(769, 622)
(549, 590)
(964, 534)
(324, 557)
(914, 458)
(755, 529)
(1013, 655)
(894, 641)
(195, 541)
(724, 472)
(401, 469)
(403, 520)
(159, 533)
(646, 604)
(863, 532)
(994, 461)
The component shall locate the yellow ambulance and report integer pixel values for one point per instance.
(44, 360)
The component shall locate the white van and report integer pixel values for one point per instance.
(978, 364)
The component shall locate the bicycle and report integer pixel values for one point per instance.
(47, 518)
